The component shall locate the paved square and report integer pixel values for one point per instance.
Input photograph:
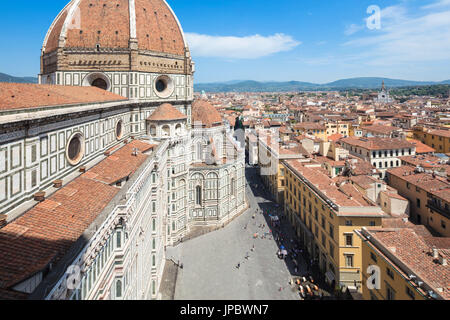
(210, 262)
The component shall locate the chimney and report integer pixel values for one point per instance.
(39, 196)
(443, 261)
(57, 184)
(435, 253)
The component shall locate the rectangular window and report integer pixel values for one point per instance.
(390, 293)
(119, 240)
(373, 256)
(349, 240)
(410, 293)
(390, 273)
(331, 232)
(349, 260)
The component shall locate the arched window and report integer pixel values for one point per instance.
(198, 195)
(233, 187)
(153, 130)
(166, 131)
(178, 129)
(118, 288)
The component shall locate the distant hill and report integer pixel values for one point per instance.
(272, 86)
(8, 78)
(255, 86)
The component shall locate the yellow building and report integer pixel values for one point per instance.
(338, 127)
(325, 217)
(428, 194)
(315, 129)
(401, 264)
(437, 139)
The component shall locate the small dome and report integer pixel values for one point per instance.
(204, 112)
(166, 112)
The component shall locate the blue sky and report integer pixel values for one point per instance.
(315, 40)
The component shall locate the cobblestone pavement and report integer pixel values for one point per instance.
(210, 262)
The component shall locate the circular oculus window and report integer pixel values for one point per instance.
(97, 79)
(75, 149)
(119, 129)
(164, 86)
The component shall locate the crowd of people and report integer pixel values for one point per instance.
(290, 249)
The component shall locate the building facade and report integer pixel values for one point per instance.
(324, 216)
(428, 194)
(382, 153)
(403, 264)
(109, 160)
(436, 139)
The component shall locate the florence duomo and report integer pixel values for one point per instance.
(109, 160)
(135, 165)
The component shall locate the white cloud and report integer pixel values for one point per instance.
(353, 28)
(406, 37)
(230, 47)
(438, 4)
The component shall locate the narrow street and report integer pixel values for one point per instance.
(210, 262)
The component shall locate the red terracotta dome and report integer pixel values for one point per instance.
(166, 112)
(115, 24)
(204, 112)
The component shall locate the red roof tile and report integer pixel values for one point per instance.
(166, 112)
(45, 233)
(24, 96)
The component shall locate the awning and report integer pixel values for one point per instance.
(330, 276)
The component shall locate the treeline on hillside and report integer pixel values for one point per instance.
(438, 91)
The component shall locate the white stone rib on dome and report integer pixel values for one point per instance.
(53, 25)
